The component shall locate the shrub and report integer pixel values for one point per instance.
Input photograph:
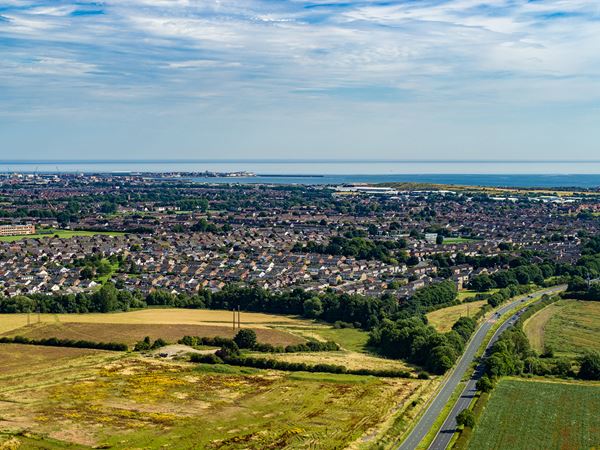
(228, 350)
(210, 358)
(245, 338)
(466, 418)
(590, 366)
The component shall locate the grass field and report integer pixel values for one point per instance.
(136, 402)
(63, 234)
(131, 333)
(351, 360)
(457, 240)
(348, 338)
(569, 327)
(535, 326)
(539, 415)
(443, 319)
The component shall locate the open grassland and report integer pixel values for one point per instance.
(351, 339)
(131, 333)
(572, 328)
(534, 414)
(139, 402)
(35, 367)
(464, 294)
(535, 326)
(63, 234)
(351, 360)
(443, 319)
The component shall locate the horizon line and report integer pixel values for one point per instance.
(291, 161)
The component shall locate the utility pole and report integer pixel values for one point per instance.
(233, 311)
(239, 318)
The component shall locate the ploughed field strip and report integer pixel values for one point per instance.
(133, 332)
(523, 415)
(137, 402)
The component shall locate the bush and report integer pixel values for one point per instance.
(143, 345)
(485, 384)
(228, 350)
(210, 358)
(245, 338)
(466, 418)
(590, 366)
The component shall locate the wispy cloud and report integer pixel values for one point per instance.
(241, 56)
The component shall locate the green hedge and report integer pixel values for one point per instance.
(310, 346)
(55, 342)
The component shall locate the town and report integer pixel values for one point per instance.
(182, 236)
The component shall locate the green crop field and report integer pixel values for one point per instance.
(539, 415)
(573, 328)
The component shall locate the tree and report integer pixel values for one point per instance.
(105, 300)
(87, 273)
(590, 366)
(439, 240)
(245, 338)
(466, 418)
(485, 384)
(313, 307)
(482, 283)
(142, 345)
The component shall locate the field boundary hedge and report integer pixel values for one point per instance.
(310, 346)
(56, 342)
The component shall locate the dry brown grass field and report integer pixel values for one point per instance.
(136, 402)
(443, 319)
(156, 316)
(131, 333)
(351, 360)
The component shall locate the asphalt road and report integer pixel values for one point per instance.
(435, 408)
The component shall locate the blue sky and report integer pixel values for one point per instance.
(300, 79)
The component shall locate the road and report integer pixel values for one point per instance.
(436, 407)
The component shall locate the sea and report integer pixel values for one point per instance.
(543, 174)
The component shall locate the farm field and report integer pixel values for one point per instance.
(351, 360)
(443, 319)
(537, 414)
(63, 234)
(131, 333)
(569, 327)
(170, 322)
(135, 402)
(159, 316)
(535, 326)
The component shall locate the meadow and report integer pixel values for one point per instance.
(443, 319)
(538, 414)
(136, 402)
(569, 327)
